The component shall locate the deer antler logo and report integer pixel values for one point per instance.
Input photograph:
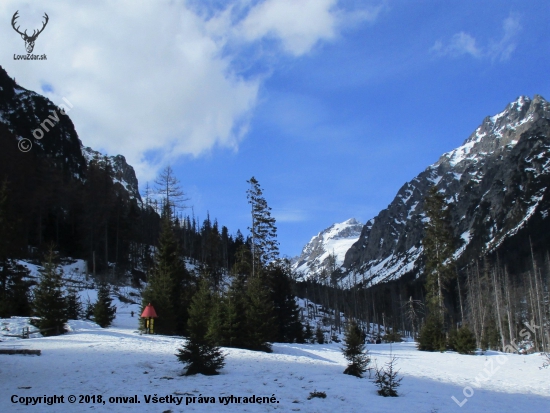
(29, 40)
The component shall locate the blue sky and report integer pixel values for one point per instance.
(331, 105)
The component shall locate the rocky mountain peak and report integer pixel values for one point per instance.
(500, 130)
(122, 173)
(495, 182)
(327, 249)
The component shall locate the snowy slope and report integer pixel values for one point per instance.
(335, 241)
(118, 362)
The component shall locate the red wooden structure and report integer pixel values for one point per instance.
(149, 314)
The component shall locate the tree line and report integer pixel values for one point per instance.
(493, 301)
(249, 306)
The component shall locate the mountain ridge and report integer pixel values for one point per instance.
(495, 182)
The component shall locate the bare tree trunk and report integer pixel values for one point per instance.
(533, 319)
(542, 313)
(537, 293)
(471, 299)
(496, 288)
(508, 304)
(481, 308)
(460, 298)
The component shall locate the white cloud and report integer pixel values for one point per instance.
(299, 24)
(502, 49)
(154, 80)
(460, 44)
(465, 44)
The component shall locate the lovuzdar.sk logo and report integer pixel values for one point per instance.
(29, 40)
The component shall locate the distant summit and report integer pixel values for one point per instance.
(325, 252)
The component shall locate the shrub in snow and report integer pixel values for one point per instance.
(431, 337)
(462, 340)
(319, 336)
(89, 309)
(318, 394)
(355, 352)
(202, 358)
(546, 363)
(386, 379)
(392, 337)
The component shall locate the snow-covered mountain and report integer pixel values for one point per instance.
(497, 184)
(326, 251)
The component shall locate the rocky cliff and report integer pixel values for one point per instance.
(495, 183)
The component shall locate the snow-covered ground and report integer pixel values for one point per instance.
(118, 361)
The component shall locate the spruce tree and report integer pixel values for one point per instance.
(463, 341)
(74, 305)
(286, 311)
(259, 315)
(50, 304)
(234, 304)
(265, 247)
(355, 352)
(199, 354)
(438, 245)
(104, 312)
(169, 286)
(214, 333)
(14, 290)
(431, 336)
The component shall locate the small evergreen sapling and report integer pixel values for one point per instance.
(355, 352)
(88, 309)
(386, 379)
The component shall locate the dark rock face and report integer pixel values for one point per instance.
(496, 183)
(23, 111)
(121, 172)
